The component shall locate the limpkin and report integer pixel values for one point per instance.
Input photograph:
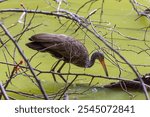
(65, 48)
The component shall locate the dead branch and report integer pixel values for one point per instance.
(25, 59)
(130, 84)
(82, 6)
(78, 74)
(67, 87)
(137, 7)
(102, 10)
(3, 92)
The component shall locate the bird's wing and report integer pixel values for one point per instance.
(73, 52)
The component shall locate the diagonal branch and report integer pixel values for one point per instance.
(3, 92)
(25, 59)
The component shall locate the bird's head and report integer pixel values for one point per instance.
(100, 57)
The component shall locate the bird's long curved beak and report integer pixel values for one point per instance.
(104, 66)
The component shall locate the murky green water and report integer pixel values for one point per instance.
(119, 14)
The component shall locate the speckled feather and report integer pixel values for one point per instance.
(61, 46)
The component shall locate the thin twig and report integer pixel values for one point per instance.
(66, 88)
(25, 59)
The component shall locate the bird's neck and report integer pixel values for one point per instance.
(91, 61)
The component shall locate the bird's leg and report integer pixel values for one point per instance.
(53, 69)
(59, 70)
(61, 67)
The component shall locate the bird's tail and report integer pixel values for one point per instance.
(34, 46)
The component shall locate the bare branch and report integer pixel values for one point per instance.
(3, 92)
(25, 59)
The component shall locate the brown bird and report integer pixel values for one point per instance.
(65, 48)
